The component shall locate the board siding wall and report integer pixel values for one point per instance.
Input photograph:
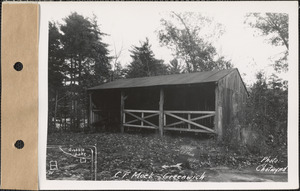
(231, 101)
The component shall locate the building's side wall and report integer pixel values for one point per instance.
(230, 99)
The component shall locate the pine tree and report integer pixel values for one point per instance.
(84, 63)
(55, 76)
(144, 62)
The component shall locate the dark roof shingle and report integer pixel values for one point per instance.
(174, 79)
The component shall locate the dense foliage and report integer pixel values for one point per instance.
(188, 44)
(266, 111)
(275, 26)
(78, 59)
(266, 114)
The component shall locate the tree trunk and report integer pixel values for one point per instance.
(55, 109)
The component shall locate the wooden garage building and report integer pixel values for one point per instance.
(204, 102)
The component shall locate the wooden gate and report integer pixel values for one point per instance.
(140, 119)
(140, 116)
(192, 125)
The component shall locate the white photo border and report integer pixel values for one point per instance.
(48, 8)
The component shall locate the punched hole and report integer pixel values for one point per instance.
(18, 66)
(19, 144)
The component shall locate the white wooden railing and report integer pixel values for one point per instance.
(143, 116)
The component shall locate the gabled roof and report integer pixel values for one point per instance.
(174, 79)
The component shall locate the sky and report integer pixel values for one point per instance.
(127, 24)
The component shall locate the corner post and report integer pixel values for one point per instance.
(218, 113)
(161, 112)
(122, 111)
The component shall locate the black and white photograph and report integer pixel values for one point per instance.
(167, 93)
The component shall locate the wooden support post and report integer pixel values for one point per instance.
(124, 118)
(220, 125)
(93, 117)
(216, 107)
(218, 114)
(122, 111)
(189, 118)
(161, 112)
(142, 122)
